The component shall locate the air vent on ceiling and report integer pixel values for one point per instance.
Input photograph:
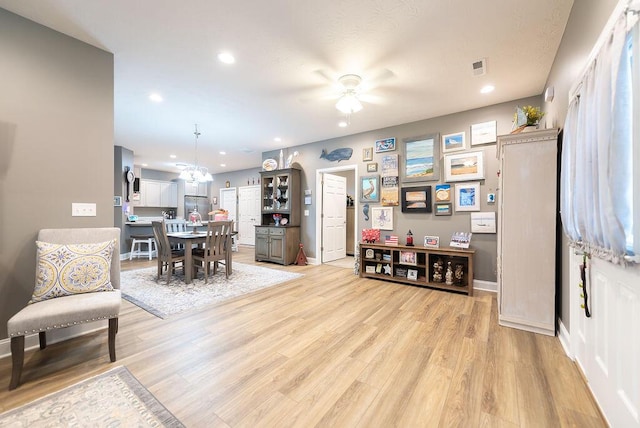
(479, 67)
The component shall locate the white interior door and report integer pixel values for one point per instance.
(334, 217)
(228, 201)
(248, 213)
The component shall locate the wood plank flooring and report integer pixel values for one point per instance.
(329, 349)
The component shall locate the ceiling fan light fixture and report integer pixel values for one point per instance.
(349, 103)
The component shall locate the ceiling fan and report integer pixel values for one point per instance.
(349, 102)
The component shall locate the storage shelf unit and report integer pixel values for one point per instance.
(279, 194)
(427, 265)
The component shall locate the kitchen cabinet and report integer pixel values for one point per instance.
(527, 231)
(196, 189)
(155, 193)
(417, 265)
(277, 244)
(278, 240)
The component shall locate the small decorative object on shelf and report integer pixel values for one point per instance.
(460, 239)
(409, 239)
(391, 240)
(277, 218)
(370, 235)
(368, 253)
(458, 274)
(437, 271)
(449, 275)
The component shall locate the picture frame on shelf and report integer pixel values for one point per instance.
(367, 154)
(385, 145)
(468, 197)
(416, 199)
(431, 241)
(484, 133)
(382, 218)
(408, 258)
(370, 188)
(412, 274)
(421, 160)
(453, 142)
(372, 167)
(370, 269)
(442, 208)
(464, 166)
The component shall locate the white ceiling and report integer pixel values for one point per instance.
(414, 56)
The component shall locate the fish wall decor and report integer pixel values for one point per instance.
(337, 154)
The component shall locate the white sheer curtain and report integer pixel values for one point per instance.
(596, 177)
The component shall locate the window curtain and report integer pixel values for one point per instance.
(596, 175)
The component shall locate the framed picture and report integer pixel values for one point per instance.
(386, 145)
(483, 133)
(468, 197)
(443, 192)
(214, 200)
(432, 241)
(412, 274)
(370, 269)
(117, 201)
(369, 188)
(464, 166)
(367, 154)
(442, 208)
(382, 218)
(453, 142)
(408, 258)
(421, 159)
(416, 199)
(372, 167)
(483, 222)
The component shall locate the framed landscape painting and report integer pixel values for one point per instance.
(416, 199)
(421, 159)
(468, 197)
(464, 166)
(453, 142)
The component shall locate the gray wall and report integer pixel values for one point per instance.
(122, 158)
(56, 145)
(586, 22)
(420, 224)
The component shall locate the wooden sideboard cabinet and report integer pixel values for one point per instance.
(417, 265)
(277, 244)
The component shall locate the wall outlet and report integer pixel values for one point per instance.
(83, 209)
(306, 213)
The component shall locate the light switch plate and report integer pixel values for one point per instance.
(306, 213)
(83, 209)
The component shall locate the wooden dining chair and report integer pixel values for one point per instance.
(217, 248)
(176, 225)
(167, 258)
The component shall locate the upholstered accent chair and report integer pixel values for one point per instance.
(57, 310)
(167, 257)
(217, 248)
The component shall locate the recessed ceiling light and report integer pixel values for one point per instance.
(226, 58)
(155, 97)
(486, 89)
(173, 156)
(277, 139)
(223, 153)
(342, 124)
(223, 165)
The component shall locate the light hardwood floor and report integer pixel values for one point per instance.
(329, 349)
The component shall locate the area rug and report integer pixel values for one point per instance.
(140, 288)
(111, 399)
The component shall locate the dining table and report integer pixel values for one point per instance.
(189, 240)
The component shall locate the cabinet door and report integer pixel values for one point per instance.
(262, 246)
(153, 190)
(168, 195)
(277, 248)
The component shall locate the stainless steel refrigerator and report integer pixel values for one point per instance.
(200, 202)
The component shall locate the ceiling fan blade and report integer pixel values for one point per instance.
(371, 99)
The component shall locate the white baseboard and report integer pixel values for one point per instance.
(491, 286)
(312, 261)
(565, 339)
(54, 336)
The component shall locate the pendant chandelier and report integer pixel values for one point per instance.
(195, 173)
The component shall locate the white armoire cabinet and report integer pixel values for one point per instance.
(527, 230)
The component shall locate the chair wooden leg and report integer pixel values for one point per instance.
(42, 337)
(113, 329)
(17, 359)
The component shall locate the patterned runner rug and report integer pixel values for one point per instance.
(114, 398)
(162, 300)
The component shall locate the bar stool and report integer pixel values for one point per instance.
(139, 240)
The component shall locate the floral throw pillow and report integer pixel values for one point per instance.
(69, 269)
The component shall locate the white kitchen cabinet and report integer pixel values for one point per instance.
(152, 193)
(157, 194)
(168, 195)
(196, 189)
(527, 211)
